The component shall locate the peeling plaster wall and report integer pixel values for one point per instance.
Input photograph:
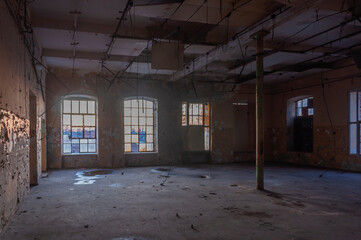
(16, 80)
(331, 146)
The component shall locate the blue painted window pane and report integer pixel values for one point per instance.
(142, 138)
(134, 147)
(75, 147)
(89, 132)
(66, 130)
(77, 132)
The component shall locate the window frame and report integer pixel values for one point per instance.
(203, 125)
(155, 124)
(313, 108)
(79, 98)
(357, 122)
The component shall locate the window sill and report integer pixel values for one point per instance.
(79, 154)
(140, 153)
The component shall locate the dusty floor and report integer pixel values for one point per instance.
(198, 202)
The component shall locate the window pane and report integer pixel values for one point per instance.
(66, 106)
(134, 120)
(206, 114)
(310, 112)
(149, 112)
(150, 147)
(77, 132)
(142, 130)
(200, 120)
(195, 120)
(83, 107)
(304, 103)
(66, 139)
(127, 112)
(75, 148)
(77, 120)
(142, 121)
(299, 112)
(149, 138)
(149, 129)
(135, 103)
(142, 112)
(353, 138)
(74, 106)
(149, 104)
(127, 121)
(134, 130)
(135, 138)
(142, 147)
(134, 147)
(195, 109)
(359, 106)
(206, 138)
(134, 112)
(89, 120)
(149, 121)
(89, 132)
(92, 148)
(353, 106)
(190, 109)
(127, 103)
(299, 103)
(127, 147)
(127, 138)
(83, 147)
(91, 107)
(66, 130)
(127, 130)
(66, 119)
(142, 138)
(91, 141)
(67, 148)
(184, 114)
(200, 109)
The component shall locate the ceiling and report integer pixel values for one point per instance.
(114, 38)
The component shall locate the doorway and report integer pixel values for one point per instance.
(33, 148)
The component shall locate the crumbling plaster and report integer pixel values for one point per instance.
(17, 79)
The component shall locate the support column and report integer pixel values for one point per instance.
(259, 111)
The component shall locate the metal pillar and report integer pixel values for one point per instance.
(259, 111)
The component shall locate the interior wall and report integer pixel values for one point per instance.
(110, 121)
(331, 145)
(16, 80)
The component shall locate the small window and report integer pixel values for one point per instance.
(139, 125)
(79, 121)
(304, 107)
(355, 122)
(197, 114)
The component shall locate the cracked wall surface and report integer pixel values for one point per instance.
(17, 80)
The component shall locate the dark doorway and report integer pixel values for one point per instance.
(33, 152)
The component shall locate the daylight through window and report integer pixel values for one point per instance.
(79, 126)
(139, 125)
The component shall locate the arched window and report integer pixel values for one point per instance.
(79, 125)
(140, 125)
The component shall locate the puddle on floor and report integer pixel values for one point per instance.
(160, 170)
(87, 177)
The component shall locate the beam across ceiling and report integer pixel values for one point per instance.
(279, 17)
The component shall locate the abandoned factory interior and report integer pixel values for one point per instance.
(180, 119)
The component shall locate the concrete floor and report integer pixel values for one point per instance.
(198, 202)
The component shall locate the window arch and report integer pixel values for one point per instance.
(140, 125)
(79, 125)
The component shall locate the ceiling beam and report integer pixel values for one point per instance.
(174, 30)
(90, 55)
(244, 37)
